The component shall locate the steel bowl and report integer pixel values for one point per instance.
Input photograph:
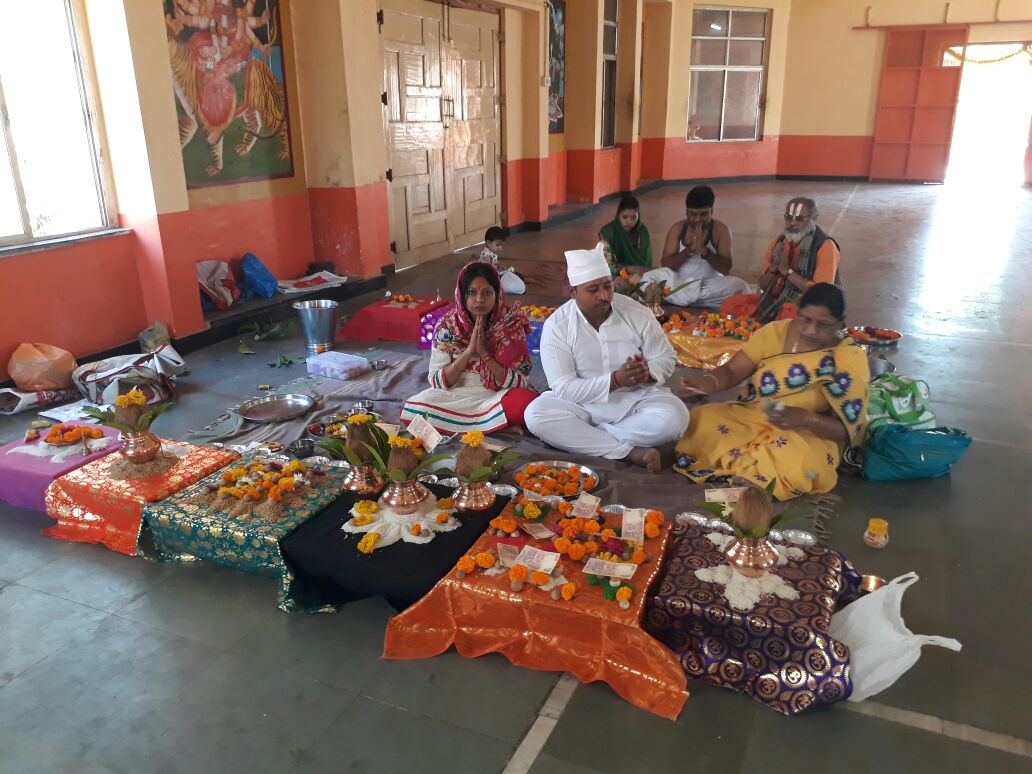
(504, 490)
(362, 406)
(880, 366)
(302, 448)
(692, 517)
(799, 537)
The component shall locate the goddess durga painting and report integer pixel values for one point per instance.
(227, 71)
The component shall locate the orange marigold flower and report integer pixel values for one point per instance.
(570, 490)
(607, 534)
(540, 578)
(485, 560)
(442, 517)
(638, 556)
(588, 482)
(624, 593)
(565, 507)
(577, 551)
(654, 517)
(568, 591)
(466, 563)
(416, 530)
(275, 493)
(564, 523)
(561, 544)
(592, 527)
(570, 533)
(591, 547)
(518, 572)
(651, 531)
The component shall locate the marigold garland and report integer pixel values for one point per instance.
(473, 438)
(577, 551)
(561, 544)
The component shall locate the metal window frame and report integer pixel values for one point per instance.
(726, 68)
(101, 175)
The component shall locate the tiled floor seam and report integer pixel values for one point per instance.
(534, 740)
(948, 728)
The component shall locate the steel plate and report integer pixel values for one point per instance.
(276, 408)
(562, 464)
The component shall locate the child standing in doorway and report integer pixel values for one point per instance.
(494, 242)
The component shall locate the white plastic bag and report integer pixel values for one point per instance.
(881, 646)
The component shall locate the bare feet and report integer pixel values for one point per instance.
(647, 457)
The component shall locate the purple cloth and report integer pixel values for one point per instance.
(24, 479)
(779, 652)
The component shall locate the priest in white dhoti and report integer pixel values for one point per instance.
(606, 358)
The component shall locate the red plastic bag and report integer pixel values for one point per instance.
(35, 367)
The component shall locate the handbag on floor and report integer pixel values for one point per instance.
(899, 400)
(899, 452)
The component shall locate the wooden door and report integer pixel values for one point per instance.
(917, 104)
(443, 129)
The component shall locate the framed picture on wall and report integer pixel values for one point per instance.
(556, 65)
(230, 90)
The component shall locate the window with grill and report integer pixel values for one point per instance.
(50, 175)
(609, 45)
(728, 73)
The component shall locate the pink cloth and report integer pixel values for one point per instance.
(24, 479)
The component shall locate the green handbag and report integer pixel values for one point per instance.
(899, 400)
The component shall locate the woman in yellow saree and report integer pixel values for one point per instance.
(805, 401)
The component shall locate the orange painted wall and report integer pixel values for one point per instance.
(555, 178)
(824, 155)
(671, 158)
(592, 174)
(40, 289)
(350, 228)
(278, 230)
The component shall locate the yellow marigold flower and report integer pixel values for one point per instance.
(473, 438)
(230, 490)
(294, 467)
(531, 511)
(624, 593)
(122, 401)
(368, 543)
(360, 419)
(366, 506)
(399, 443)
(362, 520)
(445, 504)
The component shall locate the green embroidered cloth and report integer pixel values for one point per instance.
(186, 530)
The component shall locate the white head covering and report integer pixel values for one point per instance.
(586, 265)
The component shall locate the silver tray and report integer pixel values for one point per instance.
(876, 343)
(276, 408)
(562, 464)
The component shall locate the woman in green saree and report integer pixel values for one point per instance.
(626, 239)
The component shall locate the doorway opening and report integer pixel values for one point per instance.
(991, 134)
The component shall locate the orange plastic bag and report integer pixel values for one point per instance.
(35, 367)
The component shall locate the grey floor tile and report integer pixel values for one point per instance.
(343, 649)
(441, 687)
(601, 731)
(86, 695)
(232, 717)
(22, 547)
(32, 753)
(380, 739)
(546, 764)
(96, 576)
(207, 603)
(35, 624)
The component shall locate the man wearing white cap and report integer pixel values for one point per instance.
(606, 358)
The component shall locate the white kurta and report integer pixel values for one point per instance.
(710, 290)
(580, 413)
(466, 405)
